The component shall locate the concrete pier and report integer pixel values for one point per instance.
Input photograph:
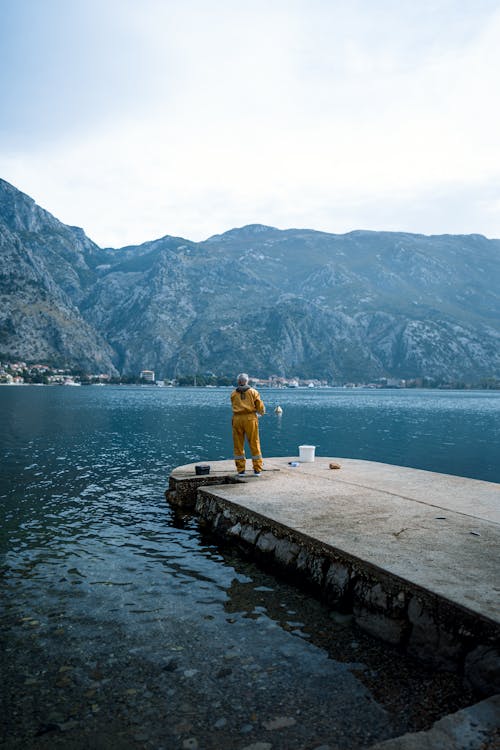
(414, 555)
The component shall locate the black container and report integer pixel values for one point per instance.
(202, 469)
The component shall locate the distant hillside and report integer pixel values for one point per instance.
(343, 307)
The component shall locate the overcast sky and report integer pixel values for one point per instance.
(139, 118)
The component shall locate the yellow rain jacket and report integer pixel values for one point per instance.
(246, 403)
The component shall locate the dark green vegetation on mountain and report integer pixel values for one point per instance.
(355, 306)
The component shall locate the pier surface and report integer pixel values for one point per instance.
(413, 555)
(412, 550)
(437, 531)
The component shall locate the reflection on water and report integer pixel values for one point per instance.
(123, 626)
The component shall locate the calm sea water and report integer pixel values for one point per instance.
(120, 618)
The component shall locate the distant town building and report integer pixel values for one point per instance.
(148, 376)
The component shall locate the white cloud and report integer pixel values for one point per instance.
(322, 115)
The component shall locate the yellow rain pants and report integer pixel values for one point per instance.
(246, 425)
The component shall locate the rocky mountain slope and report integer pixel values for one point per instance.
(45, 269)
(344, 307)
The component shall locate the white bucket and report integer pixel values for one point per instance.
(306, 453)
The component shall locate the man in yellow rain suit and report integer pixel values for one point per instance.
(246, 403)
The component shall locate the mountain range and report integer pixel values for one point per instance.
(300, 302)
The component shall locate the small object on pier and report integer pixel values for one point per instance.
(278, 410)
(306, 453)
(397, 533)
(293, 463)
(202, 469)
(335, 465)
